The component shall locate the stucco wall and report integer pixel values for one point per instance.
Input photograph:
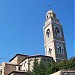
(7, 68)
(17, 59)
(24, 65)
(57, 73)
(14, 61)
(28, 63)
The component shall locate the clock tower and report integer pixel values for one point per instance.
(54, 42)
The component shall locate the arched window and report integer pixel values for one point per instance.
(48, 33)
(50, 50)
(60, 49)
(57, 31)
(47, 16)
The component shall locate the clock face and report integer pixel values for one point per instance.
(57, 31)
(48, 33)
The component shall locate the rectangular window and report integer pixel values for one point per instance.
(19, 68)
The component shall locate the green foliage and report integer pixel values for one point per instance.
(71, 63)
(63, 65)
(39, 69)
(54, 67)
(29, 73)
(67, 64)
(48, 68)
(44, 68)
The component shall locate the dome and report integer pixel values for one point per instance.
(50, 12)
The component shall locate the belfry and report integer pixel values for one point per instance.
(54, 42)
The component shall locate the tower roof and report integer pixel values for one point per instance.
(50, 12)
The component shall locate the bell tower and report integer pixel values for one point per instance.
(54, 42)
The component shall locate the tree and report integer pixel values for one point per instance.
(63, 65)
(44, 68)
(48, 68)
(29, 73)
(72, 63)
(67, 64)
(35, 67)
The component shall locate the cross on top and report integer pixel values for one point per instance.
(49, 6)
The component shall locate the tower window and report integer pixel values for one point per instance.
(57, 31)
(47, 16)
(54, 15)
(48, 33)
(50, 50)
(62, 51)
(60, 48)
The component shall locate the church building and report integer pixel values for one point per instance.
(55, 49)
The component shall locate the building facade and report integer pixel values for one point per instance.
(21, 64)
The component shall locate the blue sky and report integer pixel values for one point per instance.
(21, 26)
